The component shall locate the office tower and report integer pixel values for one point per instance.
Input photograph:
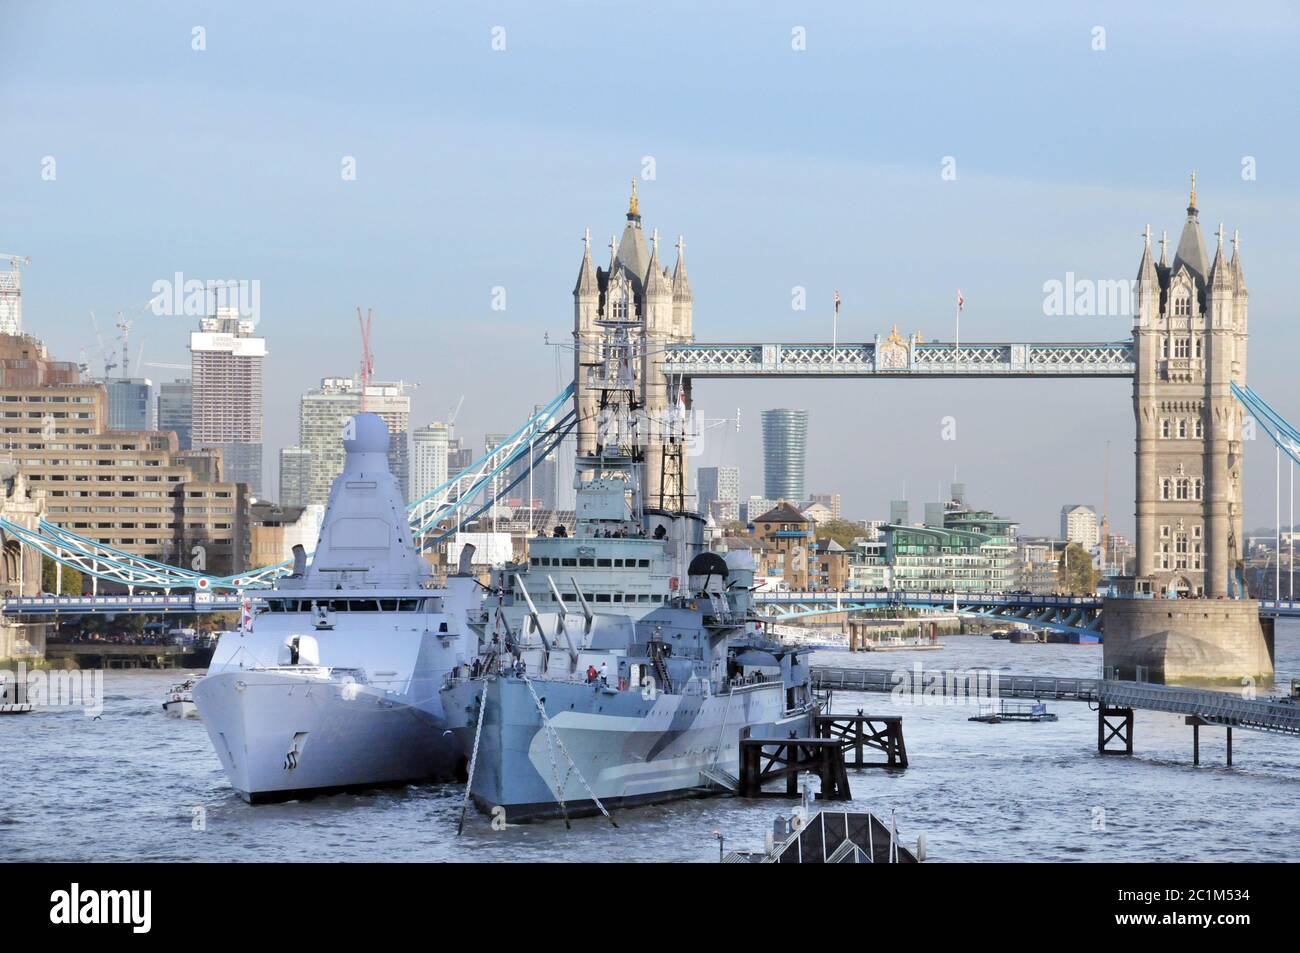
(1079, 525)
(175, 410)
(785, 444)
(429, 464)
(130, 403)
(295, 476)
(898, 512)
(324, 412)
(719, 493)
(226, 368)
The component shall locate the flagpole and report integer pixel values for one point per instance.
(957, 340)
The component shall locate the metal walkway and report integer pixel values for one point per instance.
(1220, 708)
(896, 356)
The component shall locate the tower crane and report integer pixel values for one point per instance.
(451, 417)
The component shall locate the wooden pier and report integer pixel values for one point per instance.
(842, 742)
(763, 760)
(857, 733)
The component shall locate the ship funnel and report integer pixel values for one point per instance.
(299, 561)
(466, 560)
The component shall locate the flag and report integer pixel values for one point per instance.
(960, 300)
(245, 616)
(837, 302)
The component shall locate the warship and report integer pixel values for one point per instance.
(622, 665)
(608, 711)
(334, 683)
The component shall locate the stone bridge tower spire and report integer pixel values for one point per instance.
(656, 306)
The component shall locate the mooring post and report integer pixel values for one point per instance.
(1196, 742)
(1229, 746)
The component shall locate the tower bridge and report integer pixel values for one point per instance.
(1185, 613)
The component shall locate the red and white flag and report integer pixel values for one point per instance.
(245, 616)
(960, 300)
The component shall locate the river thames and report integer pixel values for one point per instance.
(137, 785)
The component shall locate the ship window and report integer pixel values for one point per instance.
(387, 605)
(569, 561)
(570, 597)
(618, 597)
(604, 563)
(586, 561)
(643, 563)
(618, 564)
(602, 597)
(409, 605)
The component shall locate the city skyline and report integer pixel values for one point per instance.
(1042, 210)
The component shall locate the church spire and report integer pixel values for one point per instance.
(1191, 201)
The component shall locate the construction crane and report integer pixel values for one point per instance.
(451, 417)
(367, 359)
(124, 326)
(11, 294)
(104, 352)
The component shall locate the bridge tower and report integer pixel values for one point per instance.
(656, 306)
(1189, 335)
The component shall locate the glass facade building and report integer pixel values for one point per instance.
(785, 446)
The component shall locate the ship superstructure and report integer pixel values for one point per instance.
(334, 685)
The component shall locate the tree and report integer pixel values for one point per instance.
(50, 578)
(842, 531)
(1075, 572)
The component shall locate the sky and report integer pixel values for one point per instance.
(486, 137)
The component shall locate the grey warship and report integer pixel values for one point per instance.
(579, 701)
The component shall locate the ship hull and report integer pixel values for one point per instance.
(628, 749)
(281, 735)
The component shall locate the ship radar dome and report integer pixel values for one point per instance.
(366, 433)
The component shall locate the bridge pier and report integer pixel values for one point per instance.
(1175, 640)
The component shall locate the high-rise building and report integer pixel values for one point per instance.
(459, 456)
(1079, 525)
(429, 464)
(719, 493)
(130, 403)
(295, 476)
(226, 368)
(175, 411)
(785, 445)
(322, 416)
